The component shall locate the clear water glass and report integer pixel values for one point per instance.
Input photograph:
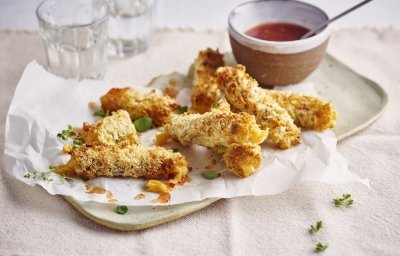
(75, 37)
(130, 26)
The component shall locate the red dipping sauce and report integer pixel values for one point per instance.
(277, 31)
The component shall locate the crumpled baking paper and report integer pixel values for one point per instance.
(44, 104)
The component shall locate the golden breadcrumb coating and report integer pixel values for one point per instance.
(307, 111)
(243, 159)
(205, 87)
(242, 92)
(115, 129)
(219, 127)
(133, 161)
(157, 107)
(236, 135)
(112, 149)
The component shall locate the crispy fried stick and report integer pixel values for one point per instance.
(139, 104)
(242, 92)
(205, 88)
(234, 134)
(307, 111)
(133, 161)
(112, 149)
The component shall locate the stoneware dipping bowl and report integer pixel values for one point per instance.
(274, 63)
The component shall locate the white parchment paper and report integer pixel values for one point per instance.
(44, 104)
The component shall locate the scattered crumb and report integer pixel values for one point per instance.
(213, 161)
(109, 195)
(207, 167)
(190, 168)
(139, 196)
(92, 105)
(67, 149)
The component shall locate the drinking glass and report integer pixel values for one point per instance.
(75, 37)
(130, 26)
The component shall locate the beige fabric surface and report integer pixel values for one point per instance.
(33, 222)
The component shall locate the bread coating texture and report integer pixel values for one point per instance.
(219, 127)
(137, 104)
(133, 161)
(112, 149)
(112, 130)
(205, 87)
(307, 111)
(236, 135)
(243, 159)
(242, 92)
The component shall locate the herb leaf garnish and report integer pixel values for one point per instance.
(71, 133)
(182, 110)
(345, 201)
(121, 209)
(34, 175)
(102, 113)
(210, 175)
(320, 247)
(315, 228)
(143, 124)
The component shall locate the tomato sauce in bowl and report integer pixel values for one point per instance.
(277, 31)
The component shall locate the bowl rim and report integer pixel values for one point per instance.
(321, 33)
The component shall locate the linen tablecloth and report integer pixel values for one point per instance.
(32, 222)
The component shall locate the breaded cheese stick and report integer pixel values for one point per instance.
(112, 130)
(242, 92)
(137, 104)
(133, 161)
(219, 127)
(236, 135)
(205, 87)
(307, 111)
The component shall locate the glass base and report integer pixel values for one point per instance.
(126, 48)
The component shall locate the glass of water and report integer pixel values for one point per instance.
(75, 37)
(130, 26)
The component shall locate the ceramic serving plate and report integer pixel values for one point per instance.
(358, 100)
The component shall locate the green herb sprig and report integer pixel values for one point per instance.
(214, 105)
(320, 247)
(182, 110)
(35, 175)
(345, 201)
(71, 133)
(101, 113)
(316, 227)
(143, 124)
